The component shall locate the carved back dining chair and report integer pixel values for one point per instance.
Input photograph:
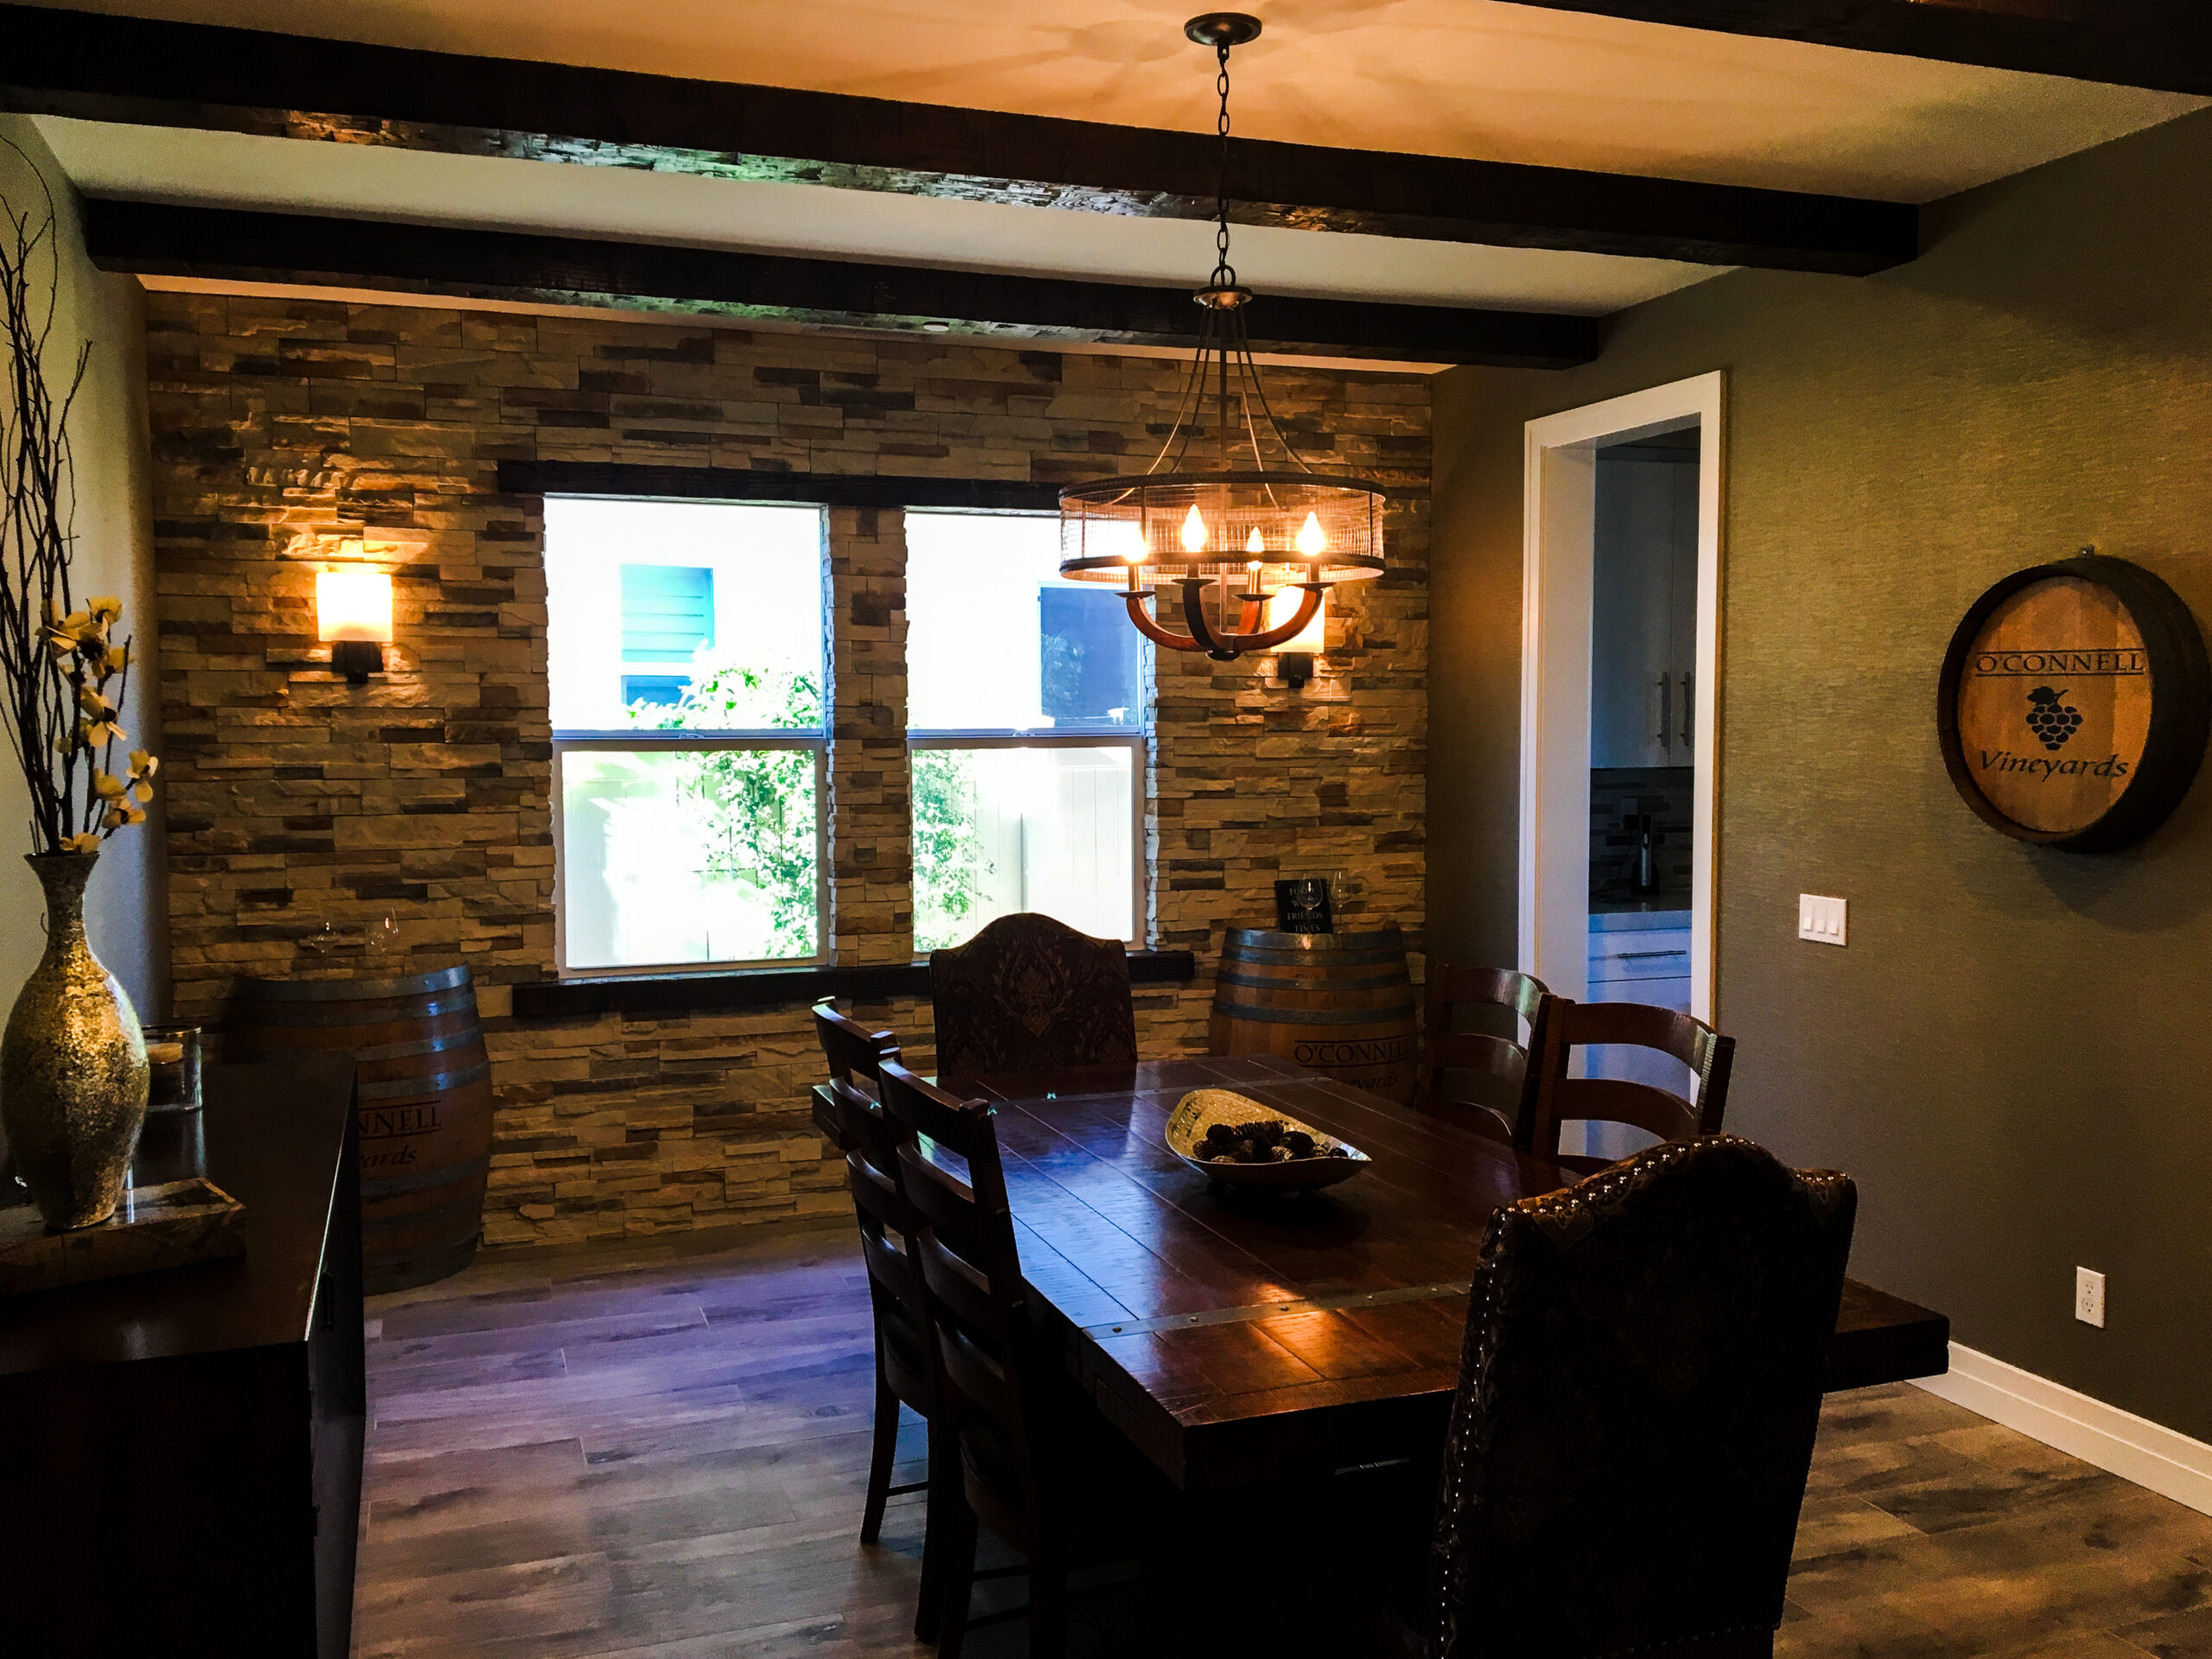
(1033, 1461)
(1028, 993)
(1501, 1103)
(905, 1362)
(1559, 1099)
(1637, 1401)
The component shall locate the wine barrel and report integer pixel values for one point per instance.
(424, 1091)
(1338, 1003)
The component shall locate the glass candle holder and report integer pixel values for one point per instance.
(173, 1063)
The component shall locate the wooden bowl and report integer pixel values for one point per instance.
(1202, 1108)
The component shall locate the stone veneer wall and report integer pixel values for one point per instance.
(303, 812)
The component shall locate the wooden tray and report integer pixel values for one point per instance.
(172, 1225)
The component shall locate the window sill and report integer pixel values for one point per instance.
(770, 988)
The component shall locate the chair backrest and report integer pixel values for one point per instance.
(1029, 993)
(1638, 1396)
(871, 1138)
(1499, 1063)
(1558, 1098)
(971, 1270)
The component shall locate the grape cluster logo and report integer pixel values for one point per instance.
(2052, 720)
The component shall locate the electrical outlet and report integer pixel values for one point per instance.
(2089, 1297)
(1820, 920)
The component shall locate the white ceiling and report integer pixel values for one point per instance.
(1462, 78)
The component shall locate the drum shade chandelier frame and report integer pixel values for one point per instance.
(1265, 521)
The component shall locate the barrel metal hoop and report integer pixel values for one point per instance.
(1269, 939)
(382, 1186)
(332, 990)
(383, 1052)
(436, 1083)
(1293, 961)
(407, 1051)
(1358, 983)
(1316, 1016)
(288, 1017)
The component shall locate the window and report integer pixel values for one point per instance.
(1025, 720)
(685, 642)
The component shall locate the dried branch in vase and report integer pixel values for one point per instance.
(62, 673)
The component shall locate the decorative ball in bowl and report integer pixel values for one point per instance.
(1232, 1138)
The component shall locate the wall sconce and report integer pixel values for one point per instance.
(353, 616)
(1294, 656)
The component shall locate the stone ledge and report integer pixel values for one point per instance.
(756, 987)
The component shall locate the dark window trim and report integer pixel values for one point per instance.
(764, 987)
(742, 484)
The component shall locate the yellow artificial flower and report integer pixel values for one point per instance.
(108, 784)
(89, 699)
(144, 764)
(87, 843)
(60, 639)
(99, 734)
(118, 658)
(105, 611)
(143, 790)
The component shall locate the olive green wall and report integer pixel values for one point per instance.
(2010, 1054)
(126, 907)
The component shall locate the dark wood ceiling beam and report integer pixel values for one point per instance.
(225, 244)
(2162, 45)
(128, 69)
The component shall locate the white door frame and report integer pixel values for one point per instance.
(1559, 519)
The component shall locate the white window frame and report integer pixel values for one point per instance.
(1137, 738)
(1138, 741)
(734, 740)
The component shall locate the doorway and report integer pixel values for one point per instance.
(1619, 698)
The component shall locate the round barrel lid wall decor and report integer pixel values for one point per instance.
(2075, 703)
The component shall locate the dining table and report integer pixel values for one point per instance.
(1239, 1335)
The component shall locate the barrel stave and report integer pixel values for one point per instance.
(1338, 1003)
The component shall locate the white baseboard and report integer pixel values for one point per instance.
(2120, 1442)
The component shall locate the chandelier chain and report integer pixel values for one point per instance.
(1224, 273)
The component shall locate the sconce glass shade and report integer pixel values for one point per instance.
(353, 604)
(1309, 639)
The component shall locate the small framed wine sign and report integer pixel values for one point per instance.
(2075, 705)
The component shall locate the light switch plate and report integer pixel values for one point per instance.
(1821, 920)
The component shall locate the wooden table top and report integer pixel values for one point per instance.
(1239, 1336)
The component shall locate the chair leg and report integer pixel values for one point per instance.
(885, 1453)
(955, 1567)
(1048, 1607)
(943, 1484)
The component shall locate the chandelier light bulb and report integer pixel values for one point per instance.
(1194, 531)
(1311, 541)
(1254, 545)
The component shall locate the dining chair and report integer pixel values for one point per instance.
(1558, 1099)
(1635, 1411)
(1029, 993)
(905, 1362)
(1499, 1065)
(1035, 1462)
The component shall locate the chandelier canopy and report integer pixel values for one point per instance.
(1227, 502)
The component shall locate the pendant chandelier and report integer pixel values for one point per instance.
(1226, 503)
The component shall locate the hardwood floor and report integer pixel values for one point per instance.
(656, 1452)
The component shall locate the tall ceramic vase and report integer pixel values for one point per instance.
(72, 1065)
